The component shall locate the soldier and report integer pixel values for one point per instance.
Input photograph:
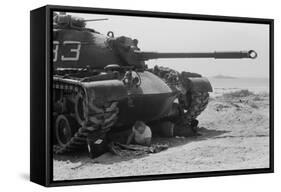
(141, 134)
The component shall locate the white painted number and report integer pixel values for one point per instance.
(72, 52)
(55, 50)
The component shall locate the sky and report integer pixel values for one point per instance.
(178, 35)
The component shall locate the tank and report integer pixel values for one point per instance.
(101, 83)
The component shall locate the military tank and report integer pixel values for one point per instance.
(101, 82)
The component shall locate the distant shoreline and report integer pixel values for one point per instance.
(232, 77)
(223, 77)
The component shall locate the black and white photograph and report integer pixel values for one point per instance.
(139, 96)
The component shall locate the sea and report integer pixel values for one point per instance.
(226, 85)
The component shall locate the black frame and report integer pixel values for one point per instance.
(41, 155)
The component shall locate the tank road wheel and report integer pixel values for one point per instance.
(66, 128)
(70, 138)
(63, 130)
(83, 119)
(198, 102)
(80, 109)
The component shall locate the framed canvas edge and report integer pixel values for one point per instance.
(49, 166)
(159, 177)
(38, 156)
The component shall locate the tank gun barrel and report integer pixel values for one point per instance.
(89, 20)
(216, 55)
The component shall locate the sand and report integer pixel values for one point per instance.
(234, 135)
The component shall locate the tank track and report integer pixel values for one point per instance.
(91, 119)
(198, 102)
(192, 103)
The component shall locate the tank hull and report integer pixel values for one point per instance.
(152, 100)
(145, 107)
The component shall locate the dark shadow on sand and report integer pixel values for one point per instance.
(81, 158)
(203, 134)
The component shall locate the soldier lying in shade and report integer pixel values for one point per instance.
(141, 134)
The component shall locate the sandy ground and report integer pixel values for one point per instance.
(234, 135)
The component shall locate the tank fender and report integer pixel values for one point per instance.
(107, 90)
(198, 84)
